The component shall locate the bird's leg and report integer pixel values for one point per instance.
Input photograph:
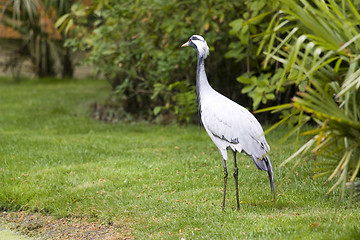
(225, 179)
(236, 176)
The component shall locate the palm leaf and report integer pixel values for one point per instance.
(320, 53)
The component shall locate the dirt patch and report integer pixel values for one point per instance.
(41, 226)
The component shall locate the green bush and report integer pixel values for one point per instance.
(136, 46)
(251, 32)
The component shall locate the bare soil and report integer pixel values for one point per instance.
(40, 226)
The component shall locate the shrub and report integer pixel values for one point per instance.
(136, 46)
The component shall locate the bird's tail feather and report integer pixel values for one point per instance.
(270, 173)
(261, 164)
(272, 183)
(265, 165)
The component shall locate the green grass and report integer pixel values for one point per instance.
(164, 181)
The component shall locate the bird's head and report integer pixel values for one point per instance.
(199, 44)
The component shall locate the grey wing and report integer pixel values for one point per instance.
(231, 125)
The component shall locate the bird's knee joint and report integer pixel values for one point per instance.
(225, 174)
(236, 172)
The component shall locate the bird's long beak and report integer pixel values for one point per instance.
(185, 44)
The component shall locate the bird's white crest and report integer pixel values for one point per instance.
(201, 46)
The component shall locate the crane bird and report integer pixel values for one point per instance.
(229, 125)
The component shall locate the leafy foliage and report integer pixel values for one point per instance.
(40, 41)
(260, 89)
(251, 31)
(318, 49)
(136, 46)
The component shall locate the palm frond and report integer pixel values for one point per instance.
(320, 56)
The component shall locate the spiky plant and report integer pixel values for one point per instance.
(318, 44)
(28, 18)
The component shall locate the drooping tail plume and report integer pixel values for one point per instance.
(270, 173)
(265, 164)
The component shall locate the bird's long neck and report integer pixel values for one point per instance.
(202, 84)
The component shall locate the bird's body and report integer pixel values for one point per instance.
(229, 125)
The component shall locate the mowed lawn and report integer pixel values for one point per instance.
(162, 181)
